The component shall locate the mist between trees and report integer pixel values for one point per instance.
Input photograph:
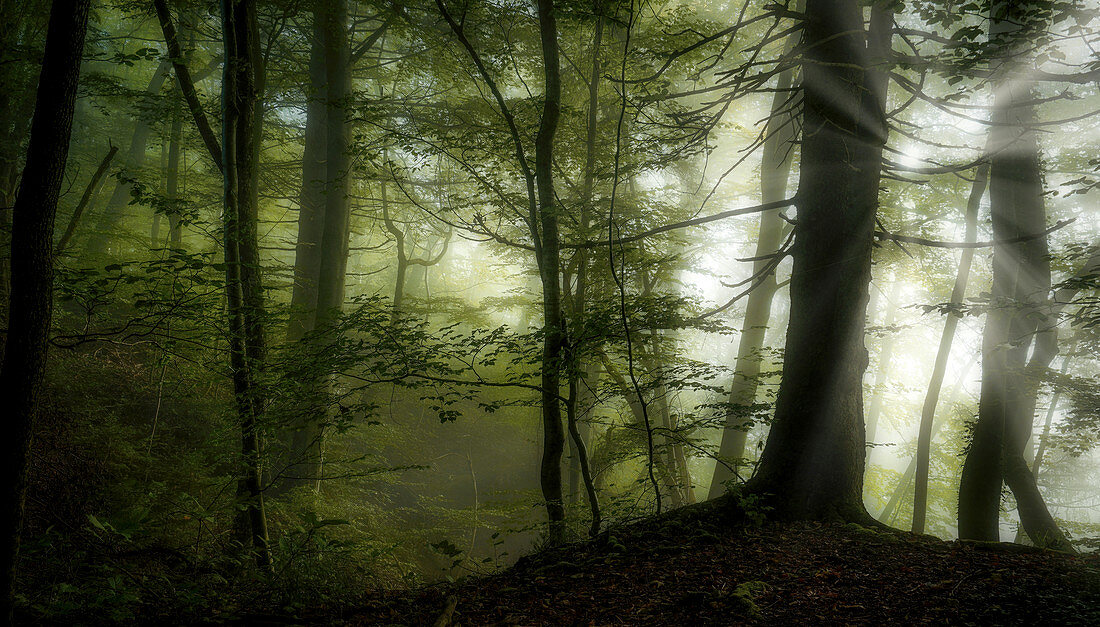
(341, 294)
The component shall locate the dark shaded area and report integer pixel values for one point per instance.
(686, 570)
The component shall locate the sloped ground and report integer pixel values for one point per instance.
(690, 570)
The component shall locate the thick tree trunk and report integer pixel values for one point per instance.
(939, 369)
(32, 269)
(307, 256)
(1021, 287)
(812, 465)
(335, 228)
(775, 169)
(16, 109)
(320, 266)
(243, 286)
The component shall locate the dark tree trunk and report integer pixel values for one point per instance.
(554, 332)
(243, 286)
(334, 232)
(812, 465)
(939, 369)
(307, 256)
(32, 269)
(18, 77)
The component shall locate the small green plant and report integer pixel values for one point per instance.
(752, 506)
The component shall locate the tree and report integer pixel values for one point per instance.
(939, 369)
(554, 336)
(243, 278)
(1021, 287)
(32, 268)
(812, 465)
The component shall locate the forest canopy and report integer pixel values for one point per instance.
(305, 298)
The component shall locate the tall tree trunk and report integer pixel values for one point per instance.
(939, 369)
(320, 265)
(775, 170)
(16, 110)
(812, 465)
(335, 229)
(243, 286)
(307, 256)
(553, 347)
(101, 236)
(32, 268)
(1021, 286)
(577, 372)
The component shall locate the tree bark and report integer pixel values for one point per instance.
(577, 371)
(32, 269)
(812, 465)
(311, 204)
(243, 286)
(323, 233)
(1020, 293)
(939, 369)
(16, 110)
(553, 347)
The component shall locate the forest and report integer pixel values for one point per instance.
(550, 312)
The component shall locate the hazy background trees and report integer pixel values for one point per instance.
(442, 281)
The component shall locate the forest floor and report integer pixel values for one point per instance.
(691, 570)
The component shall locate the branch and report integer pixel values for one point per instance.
(509, 119)
(768, 206)
(90, 190)
(187, 83)
(371, 39)
(893, 237)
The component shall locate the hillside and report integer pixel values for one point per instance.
(690, 572)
